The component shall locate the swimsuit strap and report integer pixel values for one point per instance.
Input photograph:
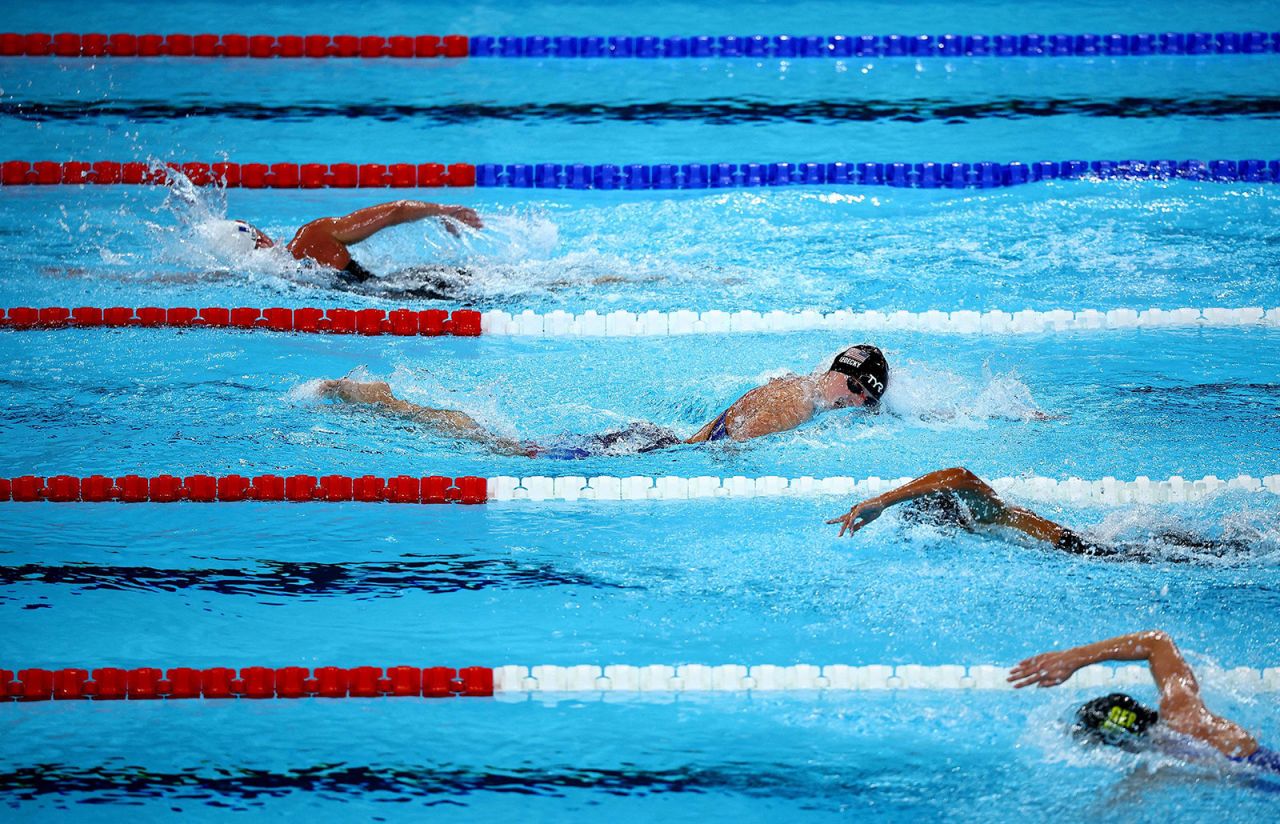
(718, 430)
(1264, 758)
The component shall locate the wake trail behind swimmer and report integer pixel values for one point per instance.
(857, 378)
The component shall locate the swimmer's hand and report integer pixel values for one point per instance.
(357, 391)
(858, 517)
(1048, 669)
(461, 214)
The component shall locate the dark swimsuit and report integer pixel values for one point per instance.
(1262, 758)
(422, 283)
(718, 430)
(1071, 542)
(354, 273)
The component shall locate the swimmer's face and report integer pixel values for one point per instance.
(841, 392)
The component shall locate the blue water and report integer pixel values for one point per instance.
(707, 581)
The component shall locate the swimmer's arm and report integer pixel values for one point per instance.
(448, 421)
(1168, 668)
(764, 410)
(1180, 703)
(364, 223)
(982, 499)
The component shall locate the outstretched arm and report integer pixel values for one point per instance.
(448, 421)
(364, 223)
(981, 499)
(1180, 704)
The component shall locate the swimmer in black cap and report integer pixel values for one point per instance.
(858, 377)
(327, 241)
(958, 498)
(1119, 720)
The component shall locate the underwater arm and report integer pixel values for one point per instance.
(364, 223)
(448, 421)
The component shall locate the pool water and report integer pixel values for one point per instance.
(702, 581)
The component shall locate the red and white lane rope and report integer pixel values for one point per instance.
(151, 683)
(620, 323)
(438, 489)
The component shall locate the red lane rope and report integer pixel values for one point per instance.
(163, 489)
(68, 44)
(142, 683)
(429, 322)
(241, 175)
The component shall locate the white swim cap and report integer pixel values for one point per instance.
(230, 235)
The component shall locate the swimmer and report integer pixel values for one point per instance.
(327, 241)
(958, 498)
(1120, 721)
(858, 378)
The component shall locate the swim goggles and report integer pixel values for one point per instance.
(855, 388)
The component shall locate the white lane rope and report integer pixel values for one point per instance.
(963, 322)
(514, 678)
(1071, 490)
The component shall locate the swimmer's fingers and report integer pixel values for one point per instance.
(1046, 670)
(463, 215)
(851, 521)
(329, 389)
(846, 523)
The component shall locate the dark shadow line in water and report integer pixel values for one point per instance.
(125, 785)
(1207, 388)
(722, 111)
(283, 578)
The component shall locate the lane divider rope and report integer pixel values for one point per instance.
(889, 45)
(634, 176)
(438, 489)
(406, 489)
(151, 683)
(804, 677)
(429, 322)
(621, 323)
(69, 44)
(142, 683)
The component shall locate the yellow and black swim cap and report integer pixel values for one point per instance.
(1115, 719)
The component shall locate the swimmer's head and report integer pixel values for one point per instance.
(235, 236)
(858, 377)
(1116, 719)
(941, 509)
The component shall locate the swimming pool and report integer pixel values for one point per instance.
(706, 581)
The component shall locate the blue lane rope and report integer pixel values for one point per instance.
(985, 175)
(889, 45)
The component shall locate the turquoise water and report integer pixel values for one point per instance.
(710, 581)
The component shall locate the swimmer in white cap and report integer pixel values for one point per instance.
(327, 241)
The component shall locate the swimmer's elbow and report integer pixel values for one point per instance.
(963, 478)
(1157, 639)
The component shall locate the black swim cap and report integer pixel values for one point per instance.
(865, 364)
(1115, 719)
